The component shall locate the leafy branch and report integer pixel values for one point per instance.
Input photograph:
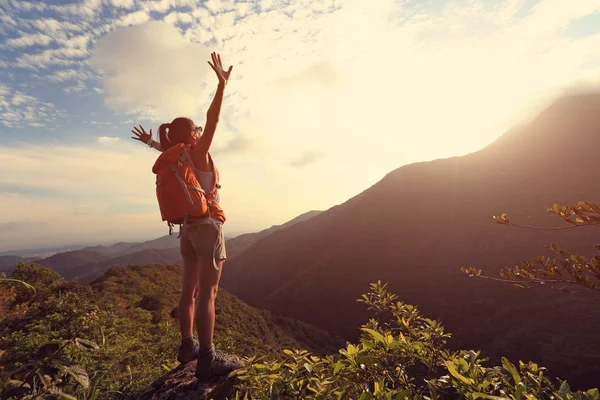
(566, 269)
(27, 285)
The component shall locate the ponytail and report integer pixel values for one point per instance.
(163, 136)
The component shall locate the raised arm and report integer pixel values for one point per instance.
(214, 111)
(146, 138)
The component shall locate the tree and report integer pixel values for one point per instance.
(566, 269)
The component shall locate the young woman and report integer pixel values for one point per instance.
(202, 241)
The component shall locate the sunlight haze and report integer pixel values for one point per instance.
(325, 98)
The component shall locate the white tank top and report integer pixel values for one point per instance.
(207, 181)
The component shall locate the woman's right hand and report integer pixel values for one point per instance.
(141, 135)
(217, 66)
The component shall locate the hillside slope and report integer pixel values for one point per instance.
(251, 331)
(126, 313)
(419, 224)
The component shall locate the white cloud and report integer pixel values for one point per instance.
(309, 157)
(134, 18)
(27, 40)
(63, 56)
(19, 110)
(178, 17)
(51, 26)
(77, 42)
(218, 6)
(108, 139)
(151, 69)
(127, 4)
(28, 6)
(162, 6)
(84, 8)
(65, 75)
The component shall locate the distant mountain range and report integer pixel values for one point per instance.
(90, 262)
(422, 222)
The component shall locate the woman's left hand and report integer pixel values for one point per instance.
(142, 136)
(218, 68)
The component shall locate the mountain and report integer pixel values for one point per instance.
(111, 250)
(241, 243)
(422, 222)
(7, 263)
(90, 271)
(90, 262)
(125, 248)
(64, 263)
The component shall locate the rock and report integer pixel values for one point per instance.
(181, 384)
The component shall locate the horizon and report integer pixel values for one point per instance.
(291, 117)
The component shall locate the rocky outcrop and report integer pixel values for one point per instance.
(181, 384)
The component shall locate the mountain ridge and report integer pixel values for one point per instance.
(88, 263)
(419, 224)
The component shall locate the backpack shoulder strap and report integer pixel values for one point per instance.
(216, 173)
(168, 157)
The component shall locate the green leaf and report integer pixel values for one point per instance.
(521, 389)
(351, 349)
(366, 396)
(564, 388)
(76, 371)
(367, 360)
(86, 344)
(61, 395)
(511, 369)
(338, 367)
(593, 394)
(274, 393)
(454, 372)
(376, 335)
(477, 395)
(403, 394)
(432, 390)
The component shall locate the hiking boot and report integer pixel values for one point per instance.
(212, 363)
(188, 350)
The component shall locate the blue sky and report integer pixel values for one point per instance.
(325, 98)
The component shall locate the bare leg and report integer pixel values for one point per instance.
(185, 310)
(205, 310)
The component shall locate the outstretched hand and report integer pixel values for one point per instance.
(218, 68)
(141, 134)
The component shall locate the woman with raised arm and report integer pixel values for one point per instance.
(202, 242)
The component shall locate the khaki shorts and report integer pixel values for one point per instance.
(204, 243)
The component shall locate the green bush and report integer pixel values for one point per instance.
(72, 341)
(401, 355)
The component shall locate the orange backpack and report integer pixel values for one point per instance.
(178, 191)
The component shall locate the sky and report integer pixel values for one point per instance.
(325, 98)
